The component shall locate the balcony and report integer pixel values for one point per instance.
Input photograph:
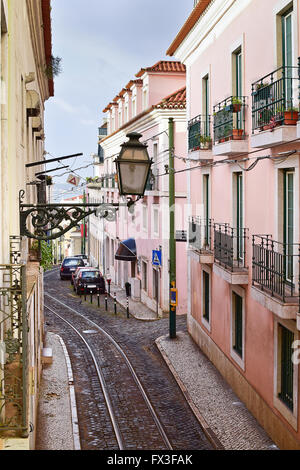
(229, 127)
(230, 253)
(275, 108)
(199, 136)
(275, 275)
(200, 240)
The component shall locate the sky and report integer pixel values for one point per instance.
(103, 44)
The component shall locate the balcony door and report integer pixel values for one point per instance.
(288, 223)
(206, 209)
(287, 55)
(206, 130)
(238, 214)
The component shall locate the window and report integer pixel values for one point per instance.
(206, 295)
(237, 83)
(155, 151)
(205, 105)
(155, 221)
(144, 275)
(133, 107)
(112, 252)
(238, 213)
(237, 324)
(288, 221)
(120, 118)
(145, 218)
(206, 208)
(155, 284)
(286, 368)
(145, 99)
(287, 53)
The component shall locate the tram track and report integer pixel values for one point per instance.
(133, 419)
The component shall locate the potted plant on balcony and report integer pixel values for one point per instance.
(236, 104)
(264, 119)
(48, 180)
(291, 116)
(205, 142)
(237, 134)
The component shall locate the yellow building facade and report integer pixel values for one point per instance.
(25, 59)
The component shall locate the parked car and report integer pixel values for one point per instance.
(92, 279)
(69, 266)
(83, 257)
(76, 273)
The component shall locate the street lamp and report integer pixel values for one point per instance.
(133, 166)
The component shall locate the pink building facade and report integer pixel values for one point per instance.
(147, 105)
(242, 65)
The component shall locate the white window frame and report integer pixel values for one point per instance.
(145, 217)
(155, 213)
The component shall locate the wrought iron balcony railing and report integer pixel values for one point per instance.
(229, 119)
(199, 134)
(275, 98)
(230, 246)
(199, 236)
(275, 267)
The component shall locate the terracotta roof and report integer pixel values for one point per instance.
(188, 25)
(46, 13)
(164, 66)
(134, 82)
(173, 101)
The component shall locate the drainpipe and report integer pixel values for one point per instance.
(172, 242)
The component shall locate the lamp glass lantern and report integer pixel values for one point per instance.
(133, 166)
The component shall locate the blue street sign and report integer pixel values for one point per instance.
(156, 258)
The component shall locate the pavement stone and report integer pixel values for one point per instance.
(219, 410)
(224, 418)
(54, 428)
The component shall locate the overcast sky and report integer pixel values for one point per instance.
(103, 44)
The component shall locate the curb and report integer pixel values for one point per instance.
(211, 436)
(74, 416)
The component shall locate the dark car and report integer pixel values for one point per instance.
(91, 280)
(83, 257)
(76, 273)
(69, 266)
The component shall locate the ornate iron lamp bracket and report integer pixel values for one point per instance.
(50, 221)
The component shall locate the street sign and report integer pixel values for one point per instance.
(156, 258)
(174, 297)
(72, 179)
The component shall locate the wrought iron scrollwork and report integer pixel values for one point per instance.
(50, 221)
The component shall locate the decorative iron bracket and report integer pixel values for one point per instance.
(51, 221)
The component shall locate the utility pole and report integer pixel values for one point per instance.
(172, 242)
(83, 234)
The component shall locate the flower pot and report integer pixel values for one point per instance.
(237, 134)
(290, 118)
(236, 108)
